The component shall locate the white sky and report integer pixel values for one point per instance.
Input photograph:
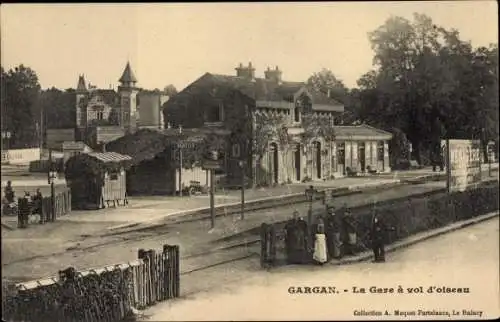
(177, 43)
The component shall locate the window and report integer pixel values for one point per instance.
(341, 153)
(296, 114)
(100, 115)
(214, 113)
(380, 151)
(113, 176)
(236, 150)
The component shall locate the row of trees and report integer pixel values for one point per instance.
(27, 110)
(426, 84)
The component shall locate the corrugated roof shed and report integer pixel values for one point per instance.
(109, 156)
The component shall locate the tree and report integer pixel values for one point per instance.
(325, 82)
(425, 74)
(170, 90)
(20, 92)
(58, 108)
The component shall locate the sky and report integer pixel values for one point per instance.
(177, 43)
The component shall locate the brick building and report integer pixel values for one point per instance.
(103, 115)
(285, 131)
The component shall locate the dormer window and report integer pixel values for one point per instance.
(215, 113)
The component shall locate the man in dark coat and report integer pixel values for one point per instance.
(378, 236)
(37, 204)
(296, 240)
(333, 225)
(348, 232)
(24, 209)
(9, 192)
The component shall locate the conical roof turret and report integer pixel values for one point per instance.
(128, 76)
(81, 87)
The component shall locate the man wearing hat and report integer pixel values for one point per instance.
(296, 240)
(349, 232)
(333, 225)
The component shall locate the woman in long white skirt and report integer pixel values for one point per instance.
(320, 250)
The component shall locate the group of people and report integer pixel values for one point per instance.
(26, 206)
(333, 235)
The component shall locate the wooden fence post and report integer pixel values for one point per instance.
(177, 271)
(273, 244)
(153, 277)
(263, 245)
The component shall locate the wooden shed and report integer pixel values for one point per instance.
(97, 179)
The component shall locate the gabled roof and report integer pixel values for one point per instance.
(363, 131)
(142, 145)
(109, 96)
(128, 76)
(260, 89)
(75, 145)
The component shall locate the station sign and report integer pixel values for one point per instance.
(464, 161)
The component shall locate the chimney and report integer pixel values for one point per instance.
(273, 75)
(246, 72)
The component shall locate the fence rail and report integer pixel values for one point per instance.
(105, 294)
(408, 216)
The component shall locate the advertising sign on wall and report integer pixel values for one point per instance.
(464, 158)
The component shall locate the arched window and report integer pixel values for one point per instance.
(236, 150)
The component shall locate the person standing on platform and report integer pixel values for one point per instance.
(378, 236)
(296, 240)
(24, 210)
(320, 255)
(332, 230)
(349, 232)
(9, 192)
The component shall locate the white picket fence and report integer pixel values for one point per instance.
(20, 156)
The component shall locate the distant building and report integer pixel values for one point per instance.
(232, 105)
(103, 115)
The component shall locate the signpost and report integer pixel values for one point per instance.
(242, 165)
(212, 163)
(463, 164)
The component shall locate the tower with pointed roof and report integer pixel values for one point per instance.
(128, 99)
(81, 105)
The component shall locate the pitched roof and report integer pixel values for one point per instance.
(360, 132)
(142, 145)
(109, 96)
(128, 76)
(75, 145)
(261, 89)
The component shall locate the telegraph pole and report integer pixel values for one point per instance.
(180, 163)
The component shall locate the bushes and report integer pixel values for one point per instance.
(411, 215)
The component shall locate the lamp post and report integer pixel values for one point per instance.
(242, 165)
(180, 163)
(52, 175)
(310, 197)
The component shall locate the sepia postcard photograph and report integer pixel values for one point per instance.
(250, 161)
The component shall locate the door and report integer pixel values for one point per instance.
(297, 162)
(362, 156)
(317, 159)
(273, 164)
